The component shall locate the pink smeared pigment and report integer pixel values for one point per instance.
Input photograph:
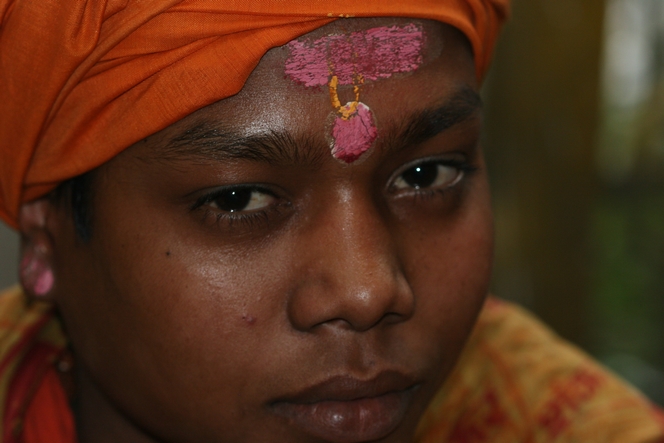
(353, 136)
(376, 53)
(353, 59)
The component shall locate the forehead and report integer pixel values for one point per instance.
(376, 49)
(276, 98)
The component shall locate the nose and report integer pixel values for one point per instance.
(350, 273)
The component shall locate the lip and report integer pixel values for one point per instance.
(348, 409)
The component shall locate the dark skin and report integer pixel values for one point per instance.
(191, 323)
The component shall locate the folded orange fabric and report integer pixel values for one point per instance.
(82, 80)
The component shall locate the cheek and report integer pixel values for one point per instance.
(155, 308)
(187, 293)
(449, 269)
(163, 310)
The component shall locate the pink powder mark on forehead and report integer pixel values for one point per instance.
(375, 53)
(355, 135)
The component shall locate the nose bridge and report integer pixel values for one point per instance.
(352, 275)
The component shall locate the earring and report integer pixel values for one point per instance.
(36, 272)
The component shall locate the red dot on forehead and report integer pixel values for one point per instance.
(353, 136)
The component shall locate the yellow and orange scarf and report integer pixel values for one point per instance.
(33, 404)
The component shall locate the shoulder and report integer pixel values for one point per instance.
(30, 341)
(17, 317)
(516, 381)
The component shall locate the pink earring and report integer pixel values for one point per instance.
(36, 273)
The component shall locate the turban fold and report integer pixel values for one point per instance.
(81, 80)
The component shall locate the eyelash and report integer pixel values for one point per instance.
(263, 217)
(247, 219)
(462, 165)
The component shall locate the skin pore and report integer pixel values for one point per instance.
(242, 285)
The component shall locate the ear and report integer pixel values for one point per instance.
(36, 271)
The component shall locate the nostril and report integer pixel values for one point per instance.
(392, 318)
(343, 324)
(341, 305)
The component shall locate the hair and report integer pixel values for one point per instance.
(75, 195)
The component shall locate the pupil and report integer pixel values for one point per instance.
(233, 201)
(421, 176)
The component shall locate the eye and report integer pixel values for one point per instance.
(240, 200)
(429, 175)
(242, 209)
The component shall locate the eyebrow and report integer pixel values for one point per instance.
(211, 141)
(428, 123)
(208, 141)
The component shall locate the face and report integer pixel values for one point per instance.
(245, 282)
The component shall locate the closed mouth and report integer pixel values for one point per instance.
(348, 409)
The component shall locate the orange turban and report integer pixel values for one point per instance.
(82, 80)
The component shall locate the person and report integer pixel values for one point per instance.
(267, 222)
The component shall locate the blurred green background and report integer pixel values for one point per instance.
(575, 144)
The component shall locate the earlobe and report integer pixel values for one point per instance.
(36, 268)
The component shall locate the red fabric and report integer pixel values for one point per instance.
(24, 386)
(36, 409)
(49, 419)
(82, 80)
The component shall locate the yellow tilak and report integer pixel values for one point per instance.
(350, 109)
